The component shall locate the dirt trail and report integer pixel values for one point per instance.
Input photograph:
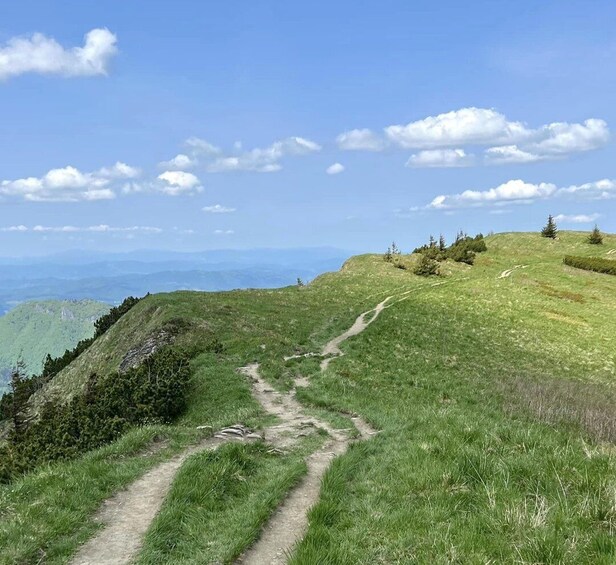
(332, 348)
(128, 514)
(507, 273)
(290, 521)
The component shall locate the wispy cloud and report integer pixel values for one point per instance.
(101, 228)
(44, 55)
(577, 218)
(218, 209)
(443, 158)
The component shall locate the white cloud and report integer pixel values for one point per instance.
(510, 192)
(180, 162)
(335, 169)
(119, 171)
(101, 228)
(67, 184)
(459, 127)
(576, 218)
(598, 190)
(44, 55)
(520, 192)
(553, 141)
(440, 158)
(360, 140)
(224, 232)
(202, 146)
(264, 160)
(218, 209)
(509, 154)
(509, 141)
(175, 183)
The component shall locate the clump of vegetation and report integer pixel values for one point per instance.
(550, 230)
(153, 392)
(392, 254)
(462, 250)
(595, 237)
(426, 267)
(597, 264)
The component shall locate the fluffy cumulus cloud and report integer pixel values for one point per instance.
(264, 160)
(101, 228)
(520, 192)
(506, 141)
(511, 191)
(440, 158)
(44, 55)
(552, 141)
(335, 169)
(360, 140)
(69, 184)
(218, 209)
(175, 183)
(459, 127)
(576, 218)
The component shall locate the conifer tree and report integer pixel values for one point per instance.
(442, 245)
(550, 229)
(595, 237)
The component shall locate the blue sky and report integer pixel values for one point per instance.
(433, 117)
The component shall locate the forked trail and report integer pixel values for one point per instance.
(128, 514)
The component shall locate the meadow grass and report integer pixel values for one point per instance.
(466, 468)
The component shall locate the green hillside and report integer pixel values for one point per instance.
(492, 387)
(34, 329)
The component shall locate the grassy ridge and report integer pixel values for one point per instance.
(466, 468)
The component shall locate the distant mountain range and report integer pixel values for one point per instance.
(110, 277)
(32, 330)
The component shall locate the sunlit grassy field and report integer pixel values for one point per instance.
(493, 393)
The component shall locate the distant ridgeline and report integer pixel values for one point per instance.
(33, 330)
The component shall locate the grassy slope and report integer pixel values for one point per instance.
(33, 329)
(460, 473)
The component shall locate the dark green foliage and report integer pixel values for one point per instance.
(105, 322)
(550, 230)
(426, 267)
(463, 250)
(595, 237)
(597, 264)
(154, 392)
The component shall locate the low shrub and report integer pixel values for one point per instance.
(153, 392)
(597, 264)
(426, 267)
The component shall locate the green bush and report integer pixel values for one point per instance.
(426, 267)
(596, 264)
(153, 392)
(595, 237)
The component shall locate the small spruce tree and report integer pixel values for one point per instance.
(595, 237)
(426, 267)
(442, 245)
(550, 229)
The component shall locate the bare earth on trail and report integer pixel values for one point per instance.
(128, 514)
(363, 321)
